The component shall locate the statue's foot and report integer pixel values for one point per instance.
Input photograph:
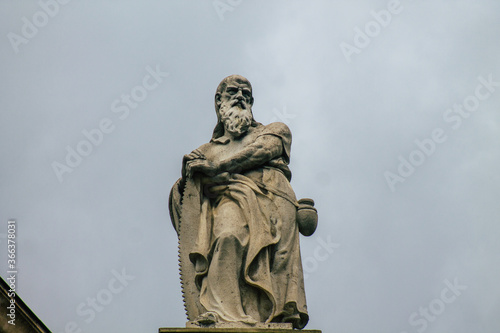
(249, 321)
(208, 318)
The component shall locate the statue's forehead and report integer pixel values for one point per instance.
(238, 82)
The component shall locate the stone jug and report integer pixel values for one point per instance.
(307, 217)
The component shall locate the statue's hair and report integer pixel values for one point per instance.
(219, 128)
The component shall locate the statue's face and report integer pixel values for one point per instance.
(235, 108)
(237, 92)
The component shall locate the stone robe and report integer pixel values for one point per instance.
(246, 252)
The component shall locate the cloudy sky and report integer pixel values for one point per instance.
(394, 108)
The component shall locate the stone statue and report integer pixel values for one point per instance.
(238, 221)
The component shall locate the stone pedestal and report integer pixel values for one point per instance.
(232, 330)
(276, 326)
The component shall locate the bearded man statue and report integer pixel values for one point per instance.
(235, 214)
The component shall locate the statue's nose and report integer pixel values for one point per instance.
(239, 95)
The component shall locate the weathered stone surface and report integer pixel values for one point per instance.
(232, 330)
(236, 216)
(281, 326)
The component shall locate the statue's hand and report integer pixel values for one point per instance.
(195, 154)
(203, 166)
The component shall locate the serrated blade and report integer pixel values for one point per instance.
(188, 230)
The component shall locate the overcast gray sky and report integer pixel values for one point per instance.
(394, 108)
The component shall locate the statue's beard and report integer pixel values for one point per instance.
(236, 117)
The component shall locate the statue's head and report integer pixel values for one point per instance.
(233, 105)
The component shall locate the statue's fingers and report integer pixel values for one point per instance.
(194, 166)
(193, 163)
(188, 170)
(198, 154)
(189, 157)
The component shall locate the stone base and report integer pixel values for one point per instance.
(233, 330)
(281, 326)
